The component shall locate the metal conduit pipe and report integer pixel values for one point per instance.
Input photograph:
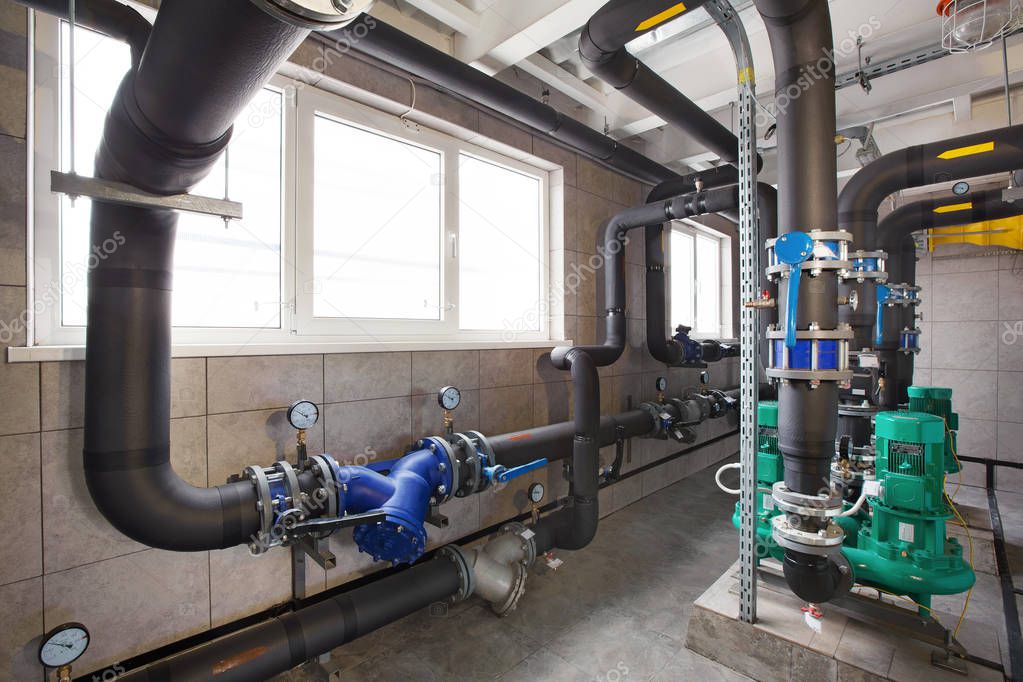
(661, 346)
(602, 49)
(109, 17)
(710, 201)
(374, 38)
(994, 151)
(801, 45)
(895, 237)
(168, 124)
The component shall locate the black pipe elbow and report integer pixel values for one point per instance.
(815, 579)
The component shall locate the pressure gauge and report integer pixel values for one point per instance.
(704, 378)
(536, 493)
(449, 397)
(960, 188)
(303, 414)
(63, 645)
(661, 384)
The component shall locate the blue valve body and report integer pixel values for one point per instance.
(884, 293)
(801, 356)
(793, 249)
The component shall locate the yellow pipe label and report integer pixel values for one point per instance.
(661, 17)
(747, 76)
(967, 151)
(949, 208)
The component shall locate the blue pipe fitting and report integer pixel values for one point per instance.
(793, 249)
(692, 351)
(404, 494)
(884, 295)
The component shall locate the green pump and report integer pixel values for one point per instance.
(900, 544)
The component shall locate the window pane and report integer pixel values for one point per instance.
(377, 226)
(681, 278)
(708, 283)
(222, 277)
(500, 234)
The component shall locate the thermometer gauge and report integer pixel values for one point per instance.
(449, 397)
(960, 188)
(661, 384)
(63, 645)
(303, 414)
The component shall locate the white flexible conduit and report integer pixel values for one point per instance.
(717, 478)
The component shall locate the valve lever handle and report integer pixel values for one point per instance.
(503, 474)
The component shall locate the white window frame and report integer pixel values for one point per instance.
(312, 103)
(724, 298)
(299, 331)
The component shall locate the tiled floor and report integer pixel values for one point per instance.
(617, 610)
(620, 609)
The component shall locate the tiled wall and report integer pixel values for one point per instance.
(61, 560)
(972, 318)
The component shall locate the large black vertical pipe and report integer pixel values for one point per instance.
(168, 124)
(109, 17)
(994, 151)
(801, 44)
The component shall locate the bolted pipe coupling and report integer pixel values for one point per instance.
(315, 14)
(497, 571)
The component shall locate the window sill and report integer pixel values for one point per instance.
(76, 352)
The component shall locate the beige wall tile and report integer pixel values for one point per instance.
(463, 519)
(544, 371)
(366, 376)
(242, 584)
(379, 429)
(22, 630)
(62, 385)
(188, 450)
(501, 503)
(595, 179)
(549, 151)
(241, 439)
(501, 131)
(513, 367)
(188, 387)
(20, 514)
(258, 383)
(351, 563)
(132, 604)
(13, 206)
(13, 313)
(428, 417)
(503, 410)
(552, 403)
(435, 369)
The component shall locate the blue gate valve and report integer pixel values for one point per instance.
(793, 249)
(884, 293)
(502, 474)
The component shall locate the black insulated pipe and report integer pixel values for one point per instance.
(895, 236)
(109, 17)
(280, 644)
(602, 49)
(661, 347)
(994, 151)
(167, 126)
(377, 40)
(802, 48)
(615, 239)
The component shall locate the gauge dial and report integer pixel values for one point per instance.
(960, 188)
(63, 645)
(449, 397)
(536, 493)
(704, 378)
(303, 414)
(661, 384)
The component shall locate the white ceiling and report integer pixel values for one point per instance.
(532, 45)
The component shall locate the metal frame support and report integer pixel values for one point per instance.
(749, 268)
(119, 193)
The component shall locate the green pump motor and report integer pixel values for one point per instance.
(938, 401)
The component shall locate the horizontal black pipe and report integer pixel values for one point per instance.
(374, 38)
(602, 49)
(280, 644)
(167, 127)
(109, 17)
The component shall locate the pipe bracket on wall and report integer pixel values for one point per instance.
(124, 194)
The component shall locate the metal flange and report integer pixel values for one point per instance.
(822, 543)
(820, 506)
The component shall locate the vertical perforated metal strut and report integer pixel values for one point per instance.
(749, 282)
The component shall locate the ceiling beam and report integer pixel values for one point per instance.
(450, 12)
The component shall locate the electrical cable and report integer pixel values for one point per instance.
(962, 521)
(853, 510)
(717, 478)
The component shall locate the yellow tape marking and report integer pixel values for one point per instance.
(949, 208)
(747, 76)
(661, 17)
(967, 151)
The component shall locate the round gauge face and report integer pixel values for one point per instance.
(960, 188)
(704, 378)
(303, 414)
(662, 383)
(536, 492)
(63, 645)
(449, 397)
